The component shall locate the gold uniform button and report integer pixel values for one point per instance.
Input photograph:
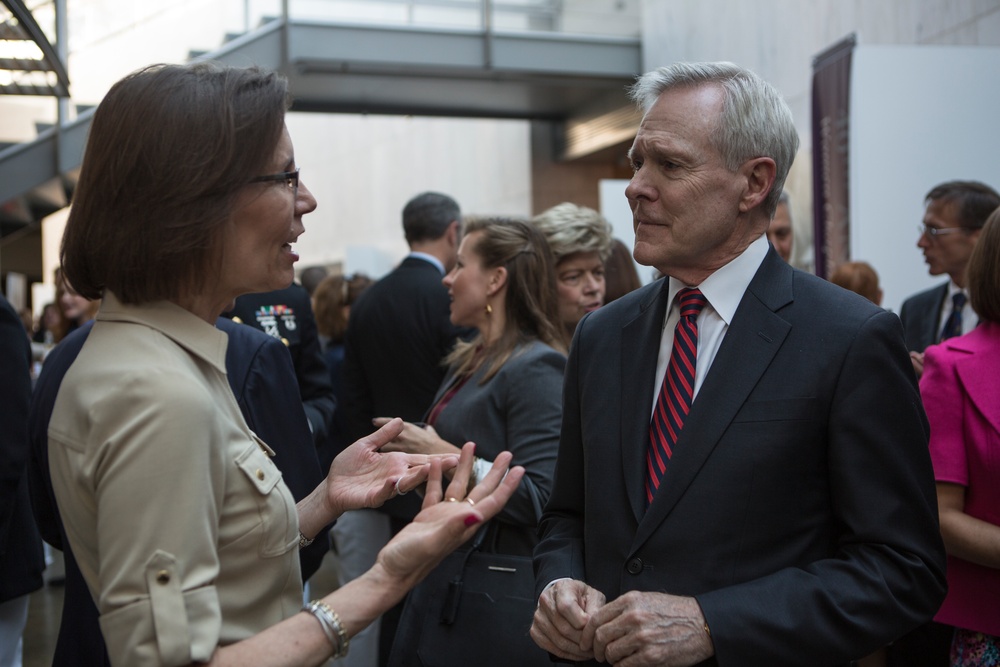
(285, 341)
(163, 577)
(260, 474)
(237, 320)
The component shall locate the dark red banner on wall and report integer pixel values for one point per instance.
(831, 106)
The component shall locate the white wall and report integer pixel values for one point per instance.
(615, 209)
(363, 170)
(920, 115)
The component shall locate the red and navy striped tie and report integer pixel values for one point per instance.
(676, 393)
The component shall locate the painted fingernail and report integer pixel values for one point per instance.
(471, 520)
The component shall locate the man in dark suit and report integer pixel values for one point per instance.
(21, 560)
(787, 515)
(264, 385)
(287, 315)
(398, 333)
(956, 212)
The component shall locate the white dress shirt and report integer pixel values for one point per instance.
(723, 290)
(429, 258)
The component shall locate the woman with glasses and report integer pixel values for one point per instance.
(189, 196)
(960, 395)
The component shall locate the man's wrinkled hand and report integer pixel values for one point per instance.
(563, 613)
(644, 629)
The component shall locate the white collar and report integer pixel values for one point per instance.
(429, 258)
(724, 289)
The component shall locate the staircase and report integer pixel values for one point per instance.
(29, 65)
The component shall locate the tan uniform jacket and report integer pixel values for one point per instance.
(182, 526)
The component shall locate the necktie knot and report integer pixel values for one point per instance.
(691, 302)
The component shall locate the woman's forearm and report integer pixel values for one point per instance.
(315, 512)
(301, 641)
(964, 535)
(970, 539)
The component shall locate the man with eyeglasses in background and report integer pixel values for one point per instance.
(956, 211)
(955, 214)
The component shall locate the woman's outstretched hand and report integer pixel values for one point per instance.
(417, 439)
(449, 517)
(362, 476)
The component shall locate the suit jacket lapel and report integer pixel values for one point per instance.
(754, 337)
(975, 370)
(640, 346)
(933, 321)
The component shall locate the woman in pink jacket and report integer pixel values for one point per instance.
(961, 394)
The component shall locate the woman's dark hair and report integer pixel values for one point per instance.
(531, 303)
(983, 271)
(170, 148)
(331, 296)
(620, 275)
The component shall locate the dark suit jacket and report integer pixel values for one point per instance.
(398, 333)
(263, 382)
(287, 315)
(21, 560)
(799, 505)
(921, 317)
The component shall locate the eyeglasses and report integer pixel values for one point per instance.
(934, 232)
(291, 179)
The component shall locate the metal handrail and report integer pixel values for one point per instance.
(52, 60)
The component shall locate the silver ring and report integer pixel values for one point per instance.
(471, 501)
(399, 491)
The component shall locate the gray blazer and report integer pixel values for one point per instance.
(519, 410)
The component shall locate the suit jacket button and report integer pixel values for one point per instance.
(634, 566)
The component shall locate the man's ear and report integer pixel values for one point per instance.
(759, 173)
(498, 280)
(453, 234)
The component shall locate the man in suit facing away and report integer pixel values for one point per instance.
(956, 212)
(397, 335)
(787, 515)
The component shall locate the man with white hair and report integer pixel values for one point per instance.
(743, 475)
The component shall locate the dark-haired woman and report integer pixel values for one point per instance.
(184, 531)
(962, 400)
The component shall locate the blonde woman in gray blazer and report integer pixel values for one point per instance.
(503, 390)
